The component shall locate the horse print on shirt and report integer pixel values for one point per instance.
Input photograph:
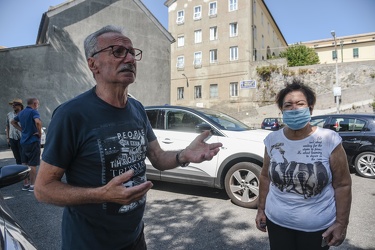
(307, 179)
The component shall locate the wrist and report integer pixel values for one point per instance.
(179, 161)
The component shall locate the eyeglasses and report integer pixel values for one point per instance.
(16, 104)
(121, 52)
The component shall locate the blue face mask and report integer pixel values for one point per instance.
(297, 118)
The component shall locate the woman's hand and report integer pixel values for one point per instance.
(260, 220)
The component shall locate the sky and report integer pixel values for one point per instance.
(298, 20)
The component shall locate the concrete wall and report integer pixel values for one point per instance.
(57, 70)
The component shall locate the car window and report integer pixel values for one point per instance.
(270, 120)
(358, 125)
(182, 121)
(343, 124)
(152, 117)
(318, 122)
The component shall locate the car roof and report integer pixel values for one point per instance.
(192, 109)
(347, 115)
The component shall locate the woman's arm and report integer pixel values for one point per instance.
(342, 184)
(263, 191)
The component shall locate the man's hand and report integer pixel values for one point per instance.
(199, 151)
(116, 192)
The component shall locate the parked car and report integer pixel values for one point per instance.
(272, 123)
(236, 168)
(12, 235)
(358, 138)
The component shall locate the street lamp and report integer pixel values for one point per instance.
(336, 89)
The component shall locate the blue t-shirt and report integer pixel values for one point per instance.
(94, 142)
(26, 119)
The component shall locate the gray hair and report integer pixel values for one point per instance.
(91, 41)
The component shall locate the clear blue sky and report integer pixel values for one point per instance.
(298, 20)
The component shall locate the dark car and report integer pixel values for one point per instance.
(358, 138)
(236, 168)
(12, 235)
(272, 123)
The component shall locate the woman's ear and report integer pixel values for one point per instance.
(311, 109)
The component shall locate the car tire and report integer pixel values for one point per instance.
(365, 165)
(242, 184)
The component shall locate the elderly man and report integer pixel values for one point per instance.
(101, 147)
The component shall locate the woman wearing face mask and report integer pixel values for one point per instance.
(305, 185)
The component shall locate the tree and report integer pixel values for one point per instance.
(300, 55)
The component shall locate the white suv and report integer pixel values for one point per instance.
(236, 167)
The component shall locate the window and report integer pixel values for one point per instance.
(255, 33)
(233, 53)
(262, 42)
(213, 56)
(180, 62)
(233, 88)
(233, 29)
(180, 17)
(212, 9)
(261, 18)
(180, 41)
(254, 7)
(233, 5)
(198, 92)
(334, 54)
(214, 91)
(213, 33)
(198, 36)
(180, 93)
(198, 59)
(197, 12)
(355, 52)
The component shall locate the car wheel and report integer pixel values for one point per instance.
(242, 184)
(365, 164)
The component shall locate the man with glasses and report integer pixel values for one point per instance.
(100, 140)
(28, 122)
(13, 134)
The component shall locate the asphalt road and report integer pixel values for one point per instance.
(189, 217)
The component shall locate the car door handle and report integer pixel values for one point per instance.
(167, 141)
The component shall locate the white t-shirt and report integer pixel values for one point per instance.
(301, 195)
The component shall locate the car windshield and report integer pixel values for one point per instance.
(225, 122)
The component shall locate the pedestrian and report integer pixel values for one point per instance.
(31, 128)
(13, 134)
(305, 185)
(100, 140)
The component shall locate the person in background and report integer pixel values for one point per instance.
(13, 134)
(31, 128)
(100, 140)
(305, 185)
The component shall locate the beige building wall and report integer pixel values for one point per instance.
(214, 81)
(354, 48)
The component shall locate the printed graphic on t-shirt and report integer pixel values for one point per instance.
(121, 152)
(304, 178)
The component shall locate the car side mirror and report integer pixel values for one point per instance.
(11, 174)
(202, 127)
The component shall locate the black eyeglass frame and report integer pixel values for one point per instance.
(135, 54)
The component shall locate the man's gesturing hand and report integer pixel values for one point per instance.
(116, 192)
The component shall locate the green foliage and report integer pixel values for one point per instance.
(300, 55)
(372, 75)
(265, 71)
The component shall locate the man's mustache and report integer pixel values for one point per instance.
(128, 67)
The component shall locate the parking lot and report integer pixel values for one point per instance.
(190, 217)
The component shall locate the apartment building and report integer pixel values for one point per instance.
(217, 43)
(353, 48)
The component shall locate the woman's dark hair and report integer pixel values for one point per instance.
(296, 85)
